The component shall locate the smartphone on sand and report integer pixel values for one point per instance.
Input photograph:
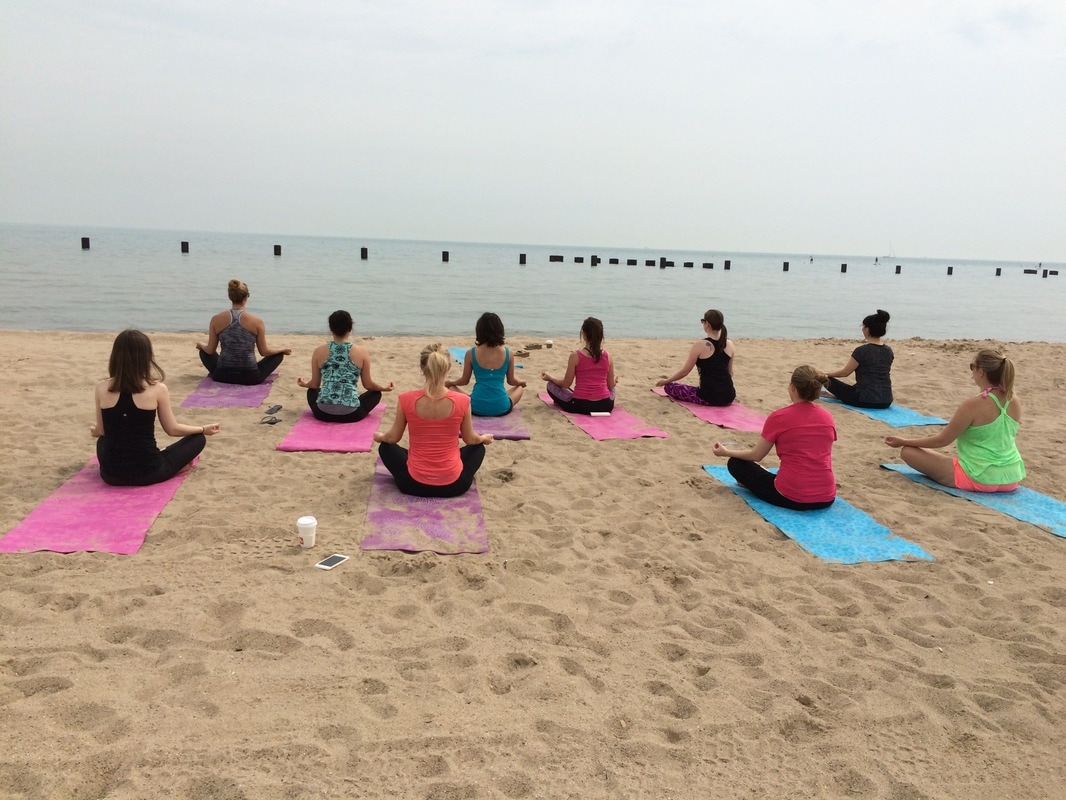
(331, 561)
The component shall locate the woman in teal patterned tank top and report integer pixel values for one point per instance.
(336, 369)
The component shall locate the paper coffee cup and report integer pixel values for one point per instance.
(305, 531)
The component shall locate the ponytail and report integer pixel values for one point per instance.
(716, 319)
(592, 331)
(808, 382)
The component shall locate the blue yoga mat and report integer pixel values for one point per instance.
(896, 416)
(459, 354)
(1038, 509)
(841, 533)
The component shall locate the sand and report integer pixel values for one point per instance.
(634, 631)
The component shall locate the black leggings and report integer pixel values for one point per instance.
(244, 377)
(564, 398)
(760, 483)
(394, 458)
(171, 461)
(849, 395)
(367, 402)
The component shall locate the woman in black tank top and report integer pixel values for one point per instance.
(127, 404)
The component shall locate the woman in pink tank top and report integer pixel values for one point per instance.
(590, 371)
(435, 465)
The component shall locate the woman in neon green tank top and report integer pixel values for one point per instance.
(983, 428)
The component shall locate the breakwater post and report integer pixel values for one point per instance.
(727, 264)
(363, 253)
(277, 249)
(784, 266)
(444, 256)
(521, 258)
(185, 247)
(84, 242)
(843, 268)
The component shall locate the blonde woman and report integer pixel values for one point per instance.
(435, 465)
(983, 429)
(240, 333)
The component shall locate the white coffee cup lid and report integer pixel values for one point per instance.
(306, 521)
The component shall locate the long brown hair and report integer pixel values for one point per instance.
(592, 331)
(132, 363)
(716, 319)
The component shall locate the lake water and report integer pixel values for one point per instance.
(140, 278)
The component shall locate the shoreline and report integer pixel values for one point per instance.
(634, 629)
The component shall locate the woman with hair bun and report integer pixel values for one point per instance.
(336, 369)
(239, 333)
(713, 358)
(127, 404)
(435, 465)
(984, 430)
(803, 434)
(591, 372)
(872, 363)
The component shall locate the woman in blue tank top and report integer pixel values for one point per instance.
(240, 333)
(336, 369)
(490, 363)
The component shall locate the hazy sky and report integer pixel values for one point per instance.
(931, 127)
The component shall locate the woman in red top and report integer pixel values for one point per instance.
(803, 434)
(592, 369)
(435, 465)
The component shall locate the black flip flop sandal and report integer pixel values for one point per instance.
(273, 409)
(269, 421)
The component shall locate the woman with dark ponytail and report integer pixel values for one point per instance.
(713, 358)
(872, 364)
(803, 434)
(983, 428)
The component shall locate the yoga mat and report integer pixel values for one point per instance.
(896, 416)
(333, 437)
(87, 514)
(841, 533)
(1023, 504)
(734, 416)
(509, 426)
(619, 425)
(459, 354)
(445, 525)
(211, 394)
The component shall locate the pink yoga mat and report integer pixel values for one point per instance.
(333, 437)
(619, 425)
(734, 415)
(440, 525)
(509, 426)
(211, 394)
(87, 514)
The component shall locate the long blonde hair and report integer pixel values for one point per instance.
(998, 368)
(435, 364)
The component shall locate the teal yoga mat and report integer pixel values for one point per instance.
(896, 416)
(841, 533)
(1023, 504)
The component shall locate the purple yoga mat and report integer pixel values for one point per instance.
(619, 425)
(333, 437)
(509, 426)
(87, 514)
(211, 394)
(734, 415)
(440, 525)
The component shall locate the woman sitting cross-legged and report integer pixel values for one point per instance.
(983, 428)
(803, 434)
(435, 465)
(127, 404)
(336, 369)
